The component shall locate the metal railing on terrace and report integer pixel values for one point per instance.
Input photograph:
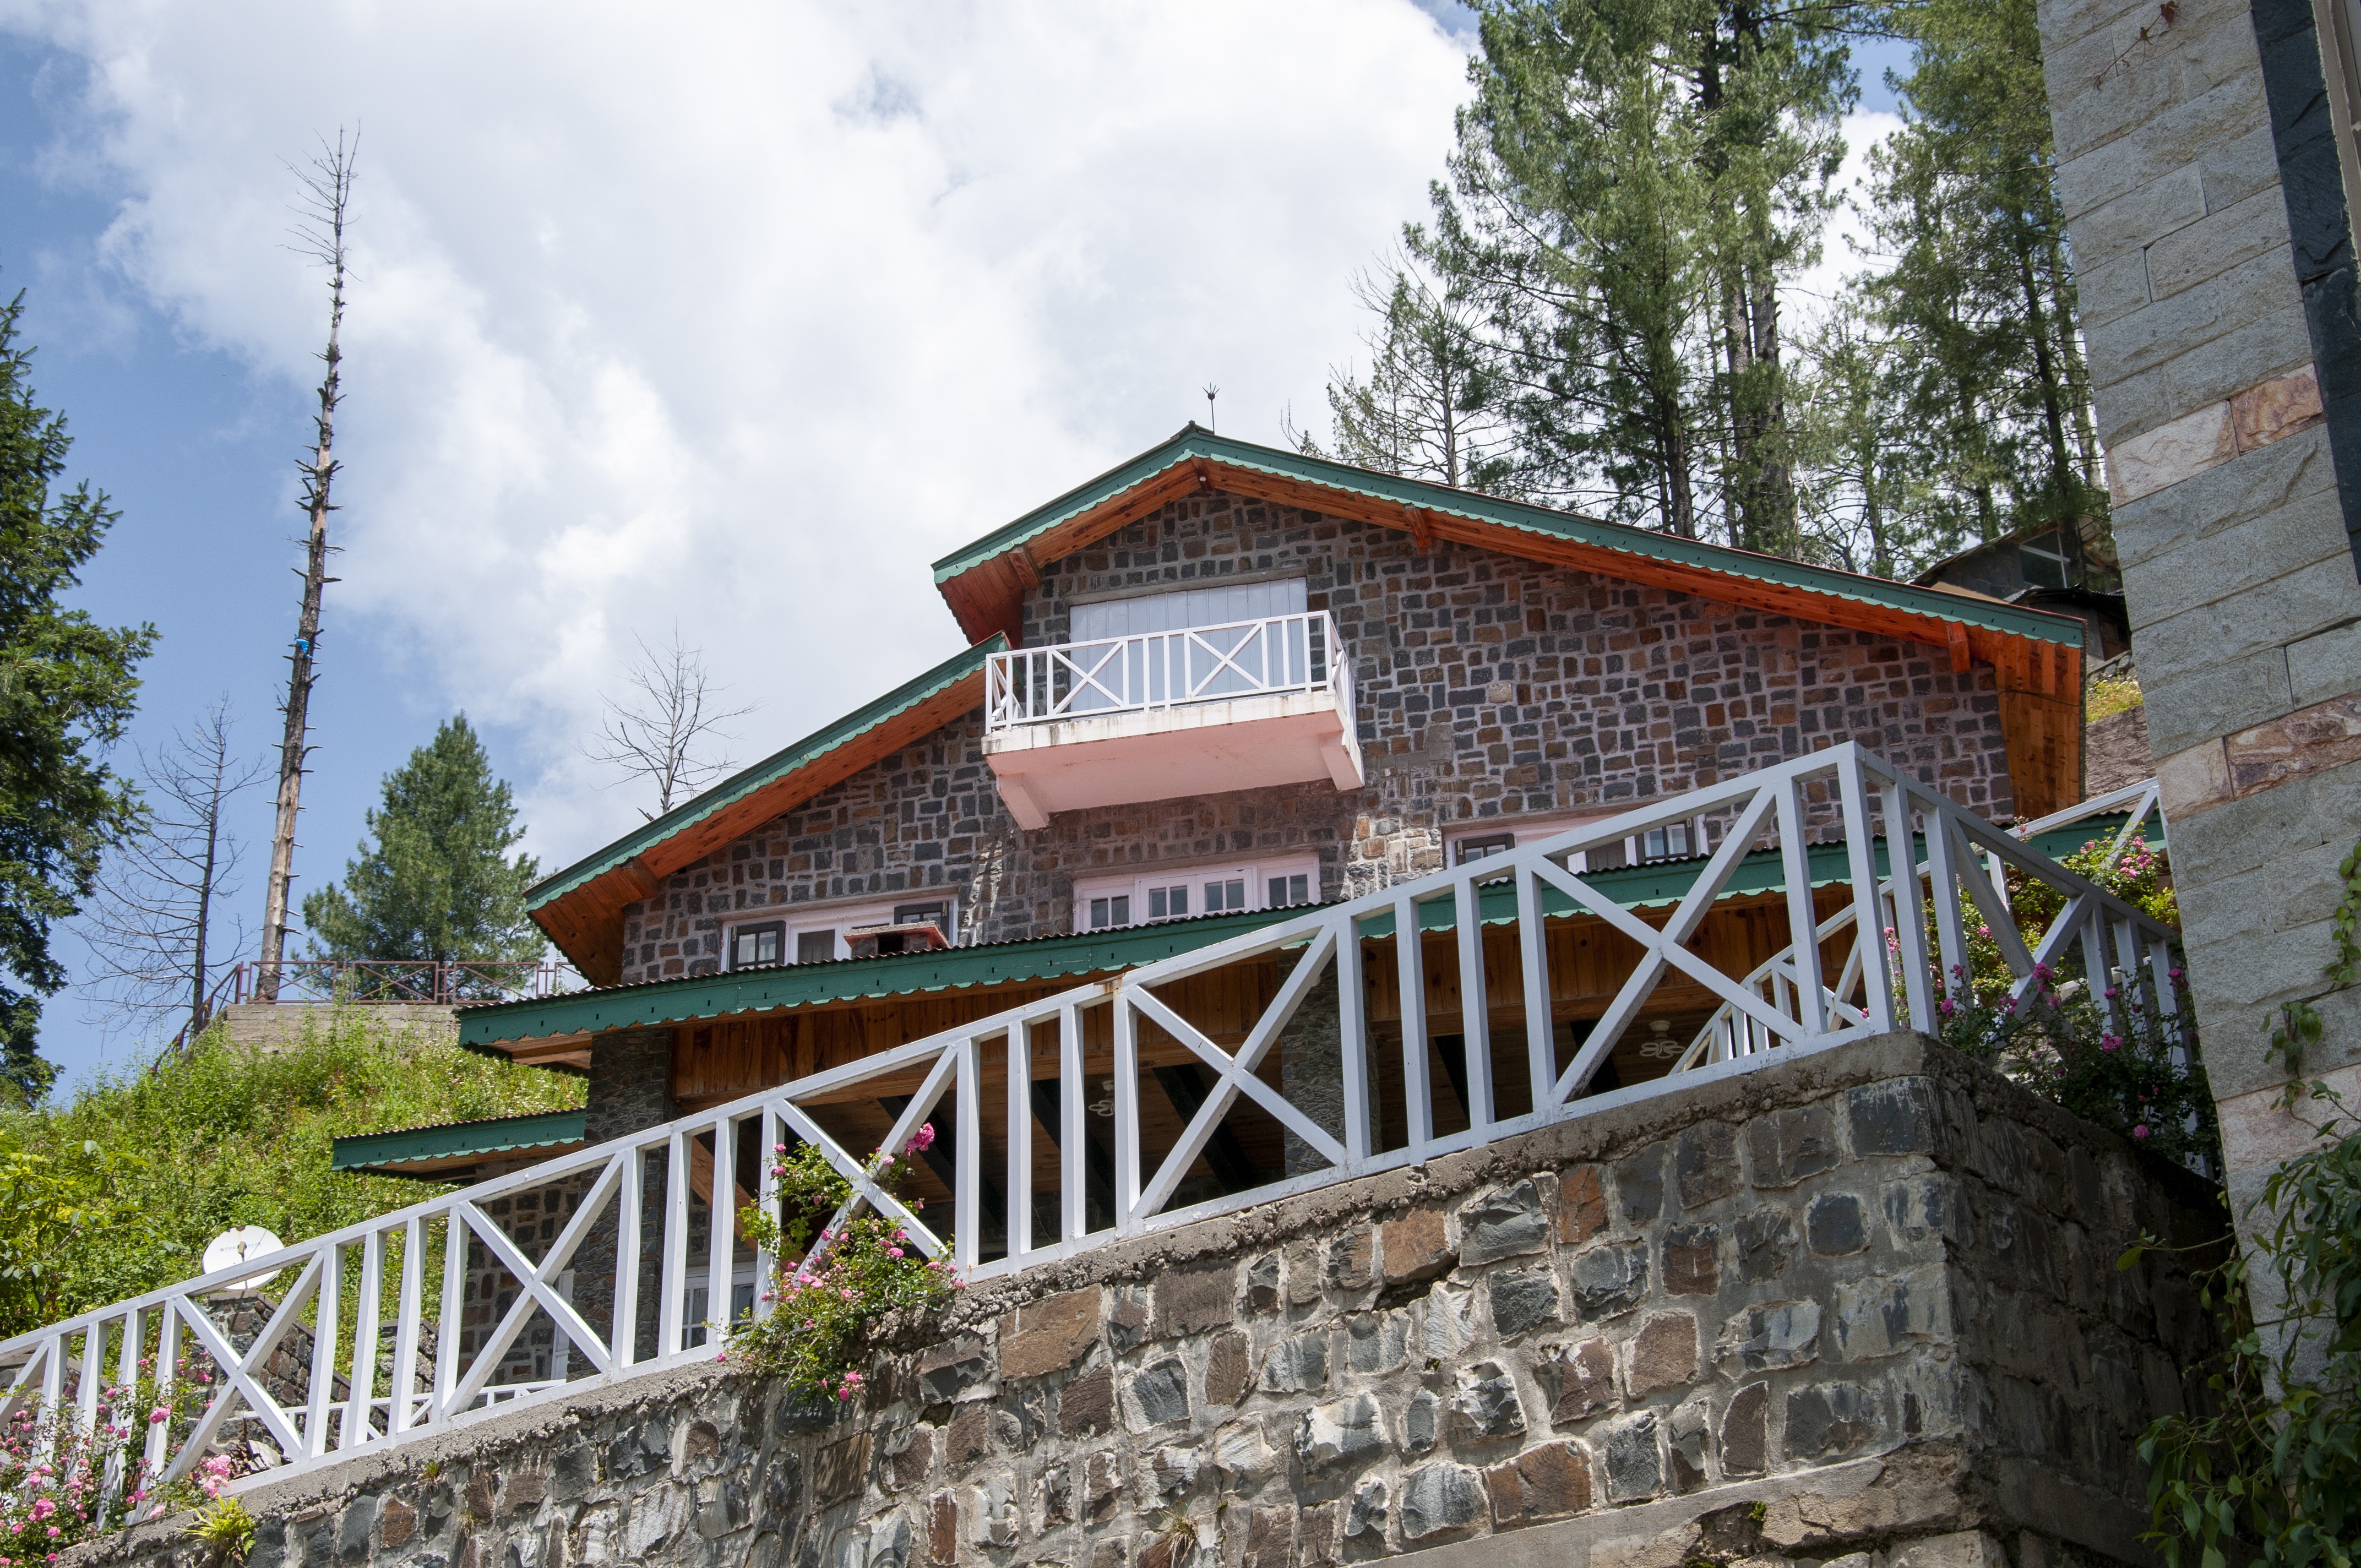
(388, 981)
(1112, 1110)
(1142, 672)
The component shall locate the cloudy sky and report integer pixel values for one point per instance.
(730, 319)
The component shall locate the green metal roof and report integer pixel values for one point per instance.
(1195, 442)
(491, 1025)
(497, 1135)
(769, 771)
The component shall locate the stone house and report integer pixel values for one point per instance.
(1223, 681)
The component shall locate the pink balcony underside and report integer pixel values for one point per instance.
(1248, 743)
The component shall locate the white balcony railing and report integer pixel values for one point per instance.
(1143, 671)
(1031, 1174)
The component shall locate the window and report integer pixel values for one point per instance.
(816, 935)
(2046, 560)
(1482, 841)
(1492, 844)
(1673, 841)
(1148, 668)
(1102, 904)
(750, 946)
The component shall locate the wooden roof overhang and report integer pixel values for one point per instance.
(581, 908)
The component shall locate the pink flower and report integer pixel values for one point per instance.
(158, 1416)
(2140, 1131)
(922, 1140)
(893, 1252)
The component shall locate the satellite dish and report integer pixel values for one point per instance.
(233, 1247)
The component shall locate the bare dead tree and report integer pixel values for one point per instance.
(153, 925)
(658, 730)
(327, 193)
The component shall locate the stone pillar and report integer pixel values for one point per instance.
(2199, 169)
(1311, 1070)
(630, 1090)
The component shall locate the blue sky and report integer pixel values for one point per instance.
(811, 310)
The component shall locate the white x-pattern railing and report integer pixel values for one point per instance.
(1270, 656)
(353, 1394)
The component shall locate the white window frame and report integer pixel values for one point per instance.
(1134, 885)
(840, 917)
(1526, 831)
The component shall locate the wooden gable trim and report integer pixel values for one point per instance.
(587, 923)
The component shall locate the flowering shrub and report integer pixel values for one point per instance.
(831, 1291)
(54, 1470)
(2127, 1064)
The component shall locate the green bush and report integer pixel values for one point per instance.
(117, 1191)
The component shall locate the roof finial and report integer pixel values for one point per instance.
(1211, 392)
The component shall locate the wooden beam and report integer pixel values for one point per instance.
(1028, 570)
(1962, 656)
(1422, 528)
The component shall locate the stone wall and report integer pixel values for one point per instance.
(1863, 1300)
(1488, 686)
(2237, 569)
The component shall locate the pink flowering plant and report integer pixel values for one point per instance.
(837, 1282)
(55, 1471)
(2108, 1048)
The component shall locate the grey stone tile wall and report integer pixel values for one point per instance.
(1863, 1300)
(1488, 686)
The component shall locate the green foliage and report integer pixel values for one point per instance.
(118, 1190)
(2105, 698)
(437, 884)
(2115, 1054)
(827, 1311)
(2271, 1471)
(67, 687)
(224, 1525)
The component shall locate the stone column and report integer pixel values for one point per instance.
(1311, 1070)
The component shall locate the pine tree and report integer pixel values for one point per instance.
(67, 688)
(437, 884)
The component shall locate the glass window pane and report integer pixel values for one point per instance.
(815, 946)
(1098, 914)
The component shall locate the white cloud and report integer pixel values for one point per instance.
(738, 315)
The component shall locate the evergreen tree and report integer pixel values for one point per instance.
(1633, 180)
(437, 884)
(67, 687)
(1980, 303)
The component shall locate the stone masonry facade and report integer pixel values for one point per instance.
(1488, 686)
(1860, 1301)
(2195, 255)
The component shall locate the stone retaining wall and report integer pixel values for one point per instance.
(1863, 1300)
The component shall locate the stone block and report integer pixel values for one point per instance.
(1241, 1453)
(1784, 1148)
(397, 1524)
(1581, 1205)
(1882, 1315)
(1298, 1365)
(353, 1529)
(1303, 1285)
(1769, 1335)
(1440, 1500)
(840, 1469)
(1635, 1469)
(1687, 1433)
(1174, 1467)
(1445, 1318)
(1921, 1207)
(1705, 1164)
(1505, 1222)
(2325, 664)
(1110, 1552)
(2222, 238)
(968, 1437)
(1366, 1514)
(1086, 1404)
(1226, 1369)
(1484, 1404)
(1376, 1341)
(1316, 1537)
(1962, 1548)
(1663, 1354)
(1349, 1259)
(1545, 1482)
(1414, 1245)
(1640, 1185)
(1766, 1245)
(1101, 1483)
(1523, 1300)
(2139, 217)
(1746, 1432)
(1050, 1335)
(1834, 1225)
(1830, 1420)
(1610, 1280)
(1270, 1539)
(1895, 1118)
(1192, 1300)
(1341, 1432)
(1159, 1392)
(1421, 1422)
(1581, 1378)
(950, 1368)
(1262, 1283)
(943, 1534)
(1692, 1260)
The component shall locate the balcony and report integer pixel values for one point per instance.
(1164, 715)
